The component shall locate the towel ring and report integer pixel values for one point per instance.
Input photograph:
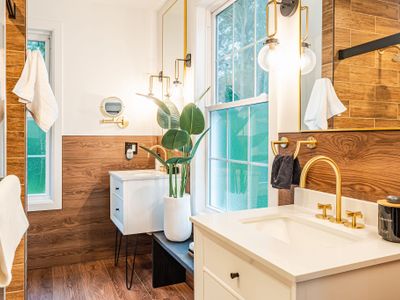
(283, 142)
(311, 143)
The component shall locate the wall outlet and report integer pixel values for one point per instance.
(133, 146)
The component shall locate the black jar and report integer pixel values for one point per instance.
(389, 219)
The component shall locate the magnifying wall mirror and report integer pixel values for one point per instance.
(112, 107)
(357, 49)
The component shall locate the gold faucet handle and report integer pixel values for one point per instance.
(325, 208)
(354, 215)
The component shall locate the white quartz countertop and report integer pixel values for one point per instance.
(304, 259)
(128, 175)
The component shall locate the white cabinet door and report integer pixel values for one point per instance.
(214, 291)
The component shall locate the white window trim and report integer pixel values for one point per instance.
(54, 202)
(200, 43)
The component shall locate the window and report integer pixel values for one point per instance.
(238, 143)
(39, 156)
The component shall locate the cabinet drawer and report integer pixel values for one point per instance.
(249, 281)
(214, 290)
(117, 209)
(116, 187)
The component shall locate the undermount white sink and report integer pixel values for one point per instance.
(297, 232)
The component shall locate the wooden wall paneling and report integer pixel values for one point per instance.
(82, 230)
(15, 59)
(369, 162)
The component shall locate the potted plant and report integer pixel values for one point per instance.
(181, 129)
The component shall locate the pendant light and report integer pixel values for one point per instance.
(268, 55)
(308, 59)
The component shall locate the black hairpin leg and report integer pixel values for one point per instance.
(117, 248)
(129, 281)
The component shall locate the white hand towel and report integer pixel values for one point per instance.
(13, 225)
(33, 88)
(323, 105)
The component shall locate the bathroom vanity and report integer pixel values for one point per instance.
(136, 200)
(286, 253)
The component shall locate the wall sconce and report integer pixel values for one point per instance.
(177, 87)
(267, 56)
(161, 78)
(308, 59)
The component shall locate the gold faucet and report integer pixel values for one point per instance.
(335, 167)
(159, 147)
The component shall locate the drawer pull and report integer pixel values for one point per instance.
(117, 209)
(117, 188)
(234, 275)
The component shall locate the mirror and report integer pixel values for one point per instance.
(367, 84)
(2, 92)
(112, 107)
(174, 45)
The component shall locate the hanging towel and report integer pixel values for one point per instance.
(13, 225)
(33, 88)
(323, 105)
(285, 171)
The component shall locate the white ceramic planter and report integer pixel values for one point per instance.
(177, 225)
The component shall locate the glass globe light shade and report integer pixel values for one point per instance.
(268, 56)
(308, 59)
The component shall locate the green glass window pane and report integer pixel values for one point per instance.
(224, 31)
(218, 182)
(238, 133)
(37, 45)
(237, 186)
(258, 187)
(243, 23)
(218, 134)
(244, 74)
(36, 139)
(261, 19)
(224, 80)
(259, 145)
(36, 175)
(262, 76)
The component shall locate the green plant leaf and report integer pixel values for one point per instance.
(155, 155)
(192, 119)
(175, 139)
(179, 160)
(157, 102)
(172, 119)
(194, 150)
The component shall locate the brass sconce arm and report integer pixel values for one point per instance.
(187, 63)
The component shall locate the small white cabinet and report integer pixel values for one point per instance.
(136, 200)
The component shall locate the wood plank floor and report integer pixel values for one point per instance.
(100, 280)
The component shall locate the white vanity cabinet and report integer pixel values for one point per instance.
(136, 200)
(224, 273)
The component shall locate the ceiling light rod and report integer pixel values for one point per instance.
(187, 62)
(378, 44)
(12, 9)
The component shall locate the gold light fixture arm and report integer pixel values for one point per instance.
(161, 78)
(120, 121)
(275, 3)
(307, 10)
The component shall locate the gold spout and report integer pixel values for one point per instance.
(159, 147)
(335, 167)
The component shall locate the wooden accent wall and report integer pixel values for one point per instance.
(15, 56)
(369, 84)
(82, 230)
(369, 162)
(327, 41)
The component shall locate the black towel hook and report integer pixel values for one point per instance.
(12, 9)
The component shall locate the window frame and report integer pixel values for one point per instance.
(53, 200)
(214, 106)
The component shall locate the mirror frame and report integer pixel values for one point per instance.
(299, 95)
(108, 115)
